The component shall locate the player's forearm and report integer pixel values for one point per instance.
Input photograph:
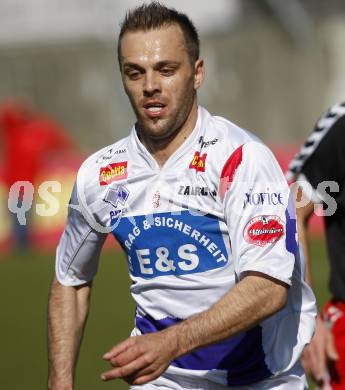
(252, 300)
(67, 314)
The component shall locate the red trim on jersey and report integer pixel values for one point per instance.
(229, 170)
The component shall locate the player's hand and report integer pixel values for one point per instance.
(318, 353)
(141, 359)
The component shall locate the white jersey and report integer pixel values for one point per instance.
(218, 208)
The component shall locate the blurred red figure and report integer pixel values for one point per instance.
(29, 138)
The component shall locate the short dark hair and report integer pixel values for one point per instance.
(154, 16)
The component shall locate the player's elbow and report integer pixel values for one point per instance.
(273, 293)
(280, 296)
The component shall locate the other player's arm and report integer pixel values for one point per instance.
(67, 315)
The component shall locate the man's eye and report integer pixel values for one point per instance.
(167, 71)
(133, 75)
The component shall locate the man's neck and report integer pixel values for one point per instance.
(162, 149)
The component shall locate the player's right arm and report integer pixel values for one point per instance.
(67, 315)
(77, 259)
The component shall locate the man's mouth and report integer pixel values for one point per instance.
(154, 109)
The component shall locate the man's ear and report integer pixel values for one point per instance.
(199, 73)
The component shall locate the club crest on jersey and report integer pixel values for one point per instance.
(112, 172)
(117, 195)
(199, 162)
(156, 199)
(263, 230)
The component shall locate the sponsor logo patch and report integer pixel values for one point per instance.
(117, 195)
(262, 198)
(187, 244)
(116, 214)
(112, 172)
(196, 191)
(263, 230)
(109, 154)
(205, 144)
(120, 151)
(198, 163)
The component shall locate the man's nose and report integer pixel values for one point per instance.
(151, 84)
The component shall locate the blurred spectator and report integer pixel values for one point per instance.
(319, 168)
(28, 138)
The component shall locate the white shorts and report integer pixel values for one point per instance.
(293, 379)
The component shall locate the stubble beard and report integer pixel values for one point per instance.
(167, 128)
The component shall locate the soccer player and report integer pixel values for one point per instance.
(319, 169)
(202, 211)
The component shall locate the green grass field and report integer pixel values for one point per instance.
(24, 289)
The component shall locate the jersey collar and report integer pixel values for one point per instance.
(191, 141)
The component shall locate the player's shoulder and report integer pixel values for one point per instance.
(326, 139)
(332, 115)
(331, 123)
(229, 135)
(110, 153)
(105, 165)
(107, 155)
(229, 138)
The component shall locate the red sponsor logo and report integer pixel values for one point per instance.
(112, 172)
(264, 229)
(198, 163)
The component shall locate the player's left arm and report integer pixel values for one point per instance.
(143, 358)
(264, 272)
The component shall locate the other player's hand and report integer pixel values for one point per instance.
(318, 353)
(141, 359)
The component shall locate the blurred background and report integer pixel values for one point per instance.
(273, 67)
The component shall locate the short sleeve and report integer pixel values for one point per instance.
(261, 225)
(77, 255)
